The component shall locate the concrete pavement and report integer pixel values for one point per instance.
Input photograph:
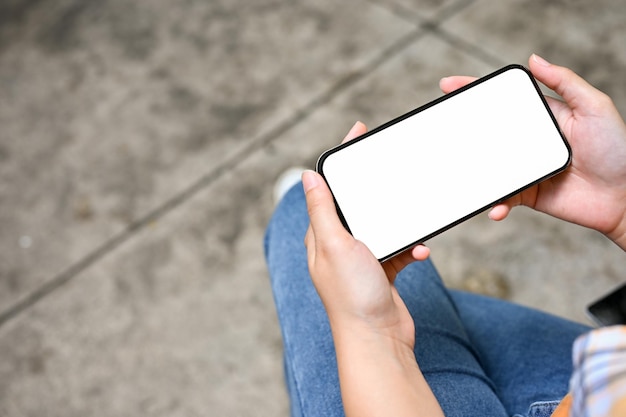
(139, 143)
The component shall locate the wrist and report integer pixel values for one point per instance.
(363, 335)
(393, 332)
(361, 343)
(379, 374)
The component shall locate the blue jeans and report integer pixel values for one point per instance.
(481, 356)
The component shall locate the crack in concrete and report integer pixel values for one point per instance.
(422, 28)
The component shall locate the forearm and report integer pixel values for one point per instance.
(379, 376)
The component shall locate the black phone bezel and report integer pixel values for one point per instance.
(326, 154)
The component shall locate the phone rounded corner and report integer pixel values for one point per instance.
(511, 67)
(319, 165)
(569, 153)
(593, 319)
(521, 67)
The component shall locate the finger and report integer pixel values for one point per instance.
(499, 212)
(576, 92)
(396, 264)
(560, 109)
(420, 253)
(357, 130)
(449, 84)
(321, 207)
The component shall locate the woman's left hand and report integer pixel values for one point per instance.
(374, 333)
(355, 288)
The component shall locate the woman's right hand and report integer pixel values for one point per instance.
(592, 191)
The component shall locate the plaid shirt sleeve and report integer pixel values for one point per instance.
(598, 384)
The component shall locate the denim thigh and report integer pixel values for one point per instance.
(526, 353)
(443, 349)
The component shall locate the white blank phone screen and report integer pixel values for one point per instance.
(414, 178)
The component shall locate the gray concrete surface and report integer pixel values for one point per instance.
(139, 142)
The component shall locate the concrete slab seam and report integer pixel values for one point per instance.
(204, 181)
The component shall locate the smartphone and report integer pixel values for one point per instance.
(611, 309)
(444, 162)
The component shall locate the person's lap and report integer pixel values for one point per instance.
(310, 365)
(476, 361)
(531, 360)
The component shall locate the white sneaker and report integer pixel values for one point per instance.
(285, 181)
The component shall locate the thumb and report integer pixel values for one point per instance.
(321, 207)
(578, 94)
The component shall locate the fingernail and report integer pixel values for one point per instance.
(354, 127)
(539, 60)
(310, 180)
